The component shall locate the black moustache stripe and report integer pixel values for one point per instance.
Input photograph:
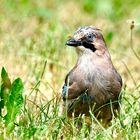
(89, 46)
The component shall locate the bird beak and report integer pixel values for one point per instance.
(73, 42)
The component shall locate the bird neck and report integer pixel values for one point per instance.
(90, 58)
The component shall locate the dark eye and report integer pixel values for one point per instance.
(90, 36)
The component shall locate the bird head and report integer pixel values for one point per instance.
(87, 38)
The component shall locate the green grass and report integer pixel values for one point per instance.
(32, 47)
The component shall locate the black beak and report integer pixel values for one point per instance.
(73, 42)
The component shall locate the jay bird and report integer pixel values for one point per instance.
(93, 83)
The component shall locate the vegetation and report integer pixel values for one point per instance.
(32, 47)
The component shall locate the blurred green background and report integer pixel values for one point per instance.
(34, 31)
(32, 46)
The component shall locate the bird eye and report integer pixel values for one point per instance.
(89, 36)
